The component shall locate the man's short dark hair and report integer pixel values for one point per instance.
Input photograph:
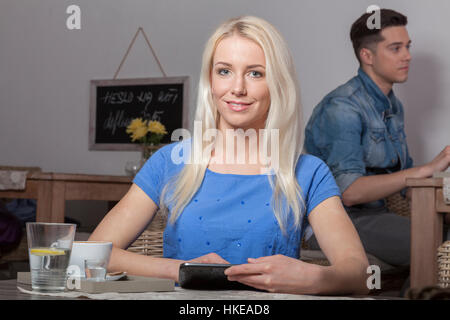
(363, 37)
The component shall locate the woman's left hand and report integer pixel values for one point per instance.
(277, 273)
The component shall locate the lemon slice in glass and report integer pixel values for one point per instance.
(47, 252)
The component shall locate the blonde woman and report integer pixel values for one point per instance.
(245, 203)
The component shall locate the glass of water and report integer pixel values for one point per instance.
(49, 248)
(95, 269)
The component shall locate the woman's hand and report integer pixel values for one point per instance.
(277, 274)
(210, 258)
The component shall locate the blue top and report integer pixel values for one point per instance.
(358, 130)
(232, 214)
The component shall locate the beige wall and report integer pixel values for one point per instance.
(45, 68)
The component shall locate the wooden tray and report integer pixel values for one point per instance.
(127, 284)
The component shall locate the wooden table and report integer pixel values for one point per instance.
(53, 189)
(427, 216)
(9, 291)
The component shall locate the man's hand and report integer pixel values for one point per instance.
(440, 163)
(370, 188)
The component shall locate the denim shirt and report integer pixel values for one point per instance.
(358, 131)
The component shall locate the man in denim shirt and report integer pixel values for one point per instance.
(358, 130)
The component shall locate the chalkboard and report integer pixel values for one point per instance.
(114, 103)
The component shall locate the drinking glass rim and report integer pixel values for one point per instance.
(51, 223)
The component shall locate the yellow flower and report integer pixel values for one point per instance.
(139, 133)
(156, 127)
(147, 132)
(136, 123)
(137, 128)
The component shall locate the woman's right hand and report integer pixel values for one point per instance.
(210, 258)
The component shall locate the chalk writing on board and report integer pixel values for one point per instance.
(118, 120)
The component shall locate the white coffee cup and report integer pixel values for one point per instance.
(84, 250)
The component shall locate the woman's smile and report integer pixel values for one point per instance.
(238, 106)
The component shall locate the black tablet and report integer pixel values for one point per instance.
(207, 276)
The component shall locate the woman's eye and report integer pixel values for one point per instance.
(255, 74)
(223, 72)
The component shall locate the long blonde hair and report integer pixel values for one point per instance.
(284, 114)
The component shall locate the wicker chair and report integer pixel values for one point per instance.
(443, 257)
(401, 206)
(150, 242)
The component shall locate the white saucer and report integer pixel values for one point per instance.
(115, 276)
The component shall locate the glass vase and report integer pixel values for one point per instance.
(147, 150)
